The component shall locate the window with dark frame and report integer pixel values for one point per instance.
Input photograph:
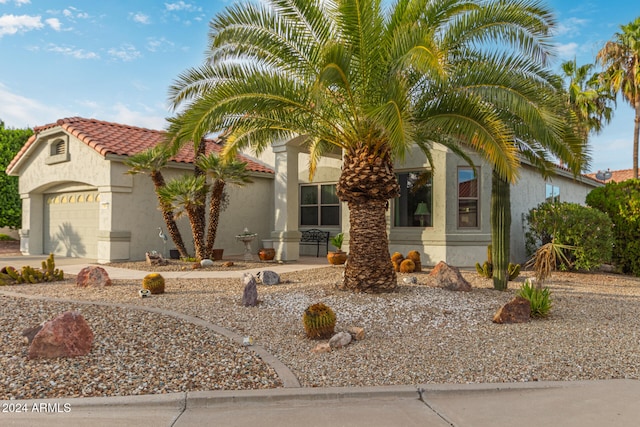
(319, 205)
(414, 207)
(468, 197)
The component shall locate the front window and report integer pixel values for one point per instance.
(319, 205)
(552, 194)
(414, 206)
(468, 200)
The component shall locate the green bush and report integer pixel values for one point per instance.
(587, 230)
(4, 237)
(540, 298)
(621, 202)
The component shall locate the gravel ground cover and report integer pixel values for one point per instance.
(421, 334)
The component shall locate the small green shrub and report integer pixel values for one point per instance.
(621, 202)
(586, 230)
(4, 238)
(539, 298)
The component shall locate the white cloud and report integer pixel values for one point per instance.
(181, 5)
(53, 23)
(567, 50)
(570, 27)
(17, 2)
(12, 24)
(72, 52)
(126, 52)
(146, 119)
(161, 44)
(140, 18)
(20, 112)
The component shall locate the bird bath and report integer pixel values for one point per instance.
(247, 237)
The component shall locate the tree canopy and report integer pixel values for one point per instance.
(11, 140)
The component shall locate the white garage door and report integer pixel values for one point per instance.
(71, 224)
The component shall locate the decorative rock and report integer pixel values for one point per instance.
(227, 264)
(269, 277)
(449, 277)
(322, 348)
(518, 310)
(412, 280)
(67, 335)
(154, 258)
(356, 332)
(144, 293)
(206, 263)
(250, 294)
(93, 276)
(339, 340)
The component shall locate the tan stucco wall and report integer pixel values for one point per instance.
(129, 219)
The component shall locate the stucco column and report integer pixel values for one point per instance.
(286, 235)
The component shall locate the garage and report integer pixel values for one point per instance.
(71, 224)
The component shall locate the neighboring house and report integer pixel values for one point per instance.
(79, 201)
(442, 212)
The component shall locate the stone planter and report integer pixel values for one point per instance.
(217, 254)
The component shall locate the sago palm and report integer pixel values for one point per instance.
(221, 172)
(152, 161)
(621, 59)
(371, 82)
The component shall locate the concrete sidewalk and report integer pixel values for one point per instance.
(581, 403)
(584, 403)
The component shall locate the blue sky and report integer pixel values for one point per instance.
(114, 60)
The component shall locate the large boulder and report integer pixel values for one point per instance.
(67, 335)
(449, 277)
(93, 276)
(269, 277)
(518, 310)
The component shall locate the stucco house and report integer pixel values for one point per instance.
(442, 211)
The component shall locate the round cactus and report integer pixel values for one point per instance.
(414, 256)
(319, 321)
(154, 282)
(397, 257)
(407, 266)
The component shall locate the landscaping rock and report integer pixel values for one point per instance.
(411, 280)
(269, 277)
(339, 340)
(206, 263)
(322, 348)
(154, 258)
(93, 276)
(30, 333)
(67, 335)
(518, 310)
(250, 294)
(356, 332)
(227, 264)
(449, 277)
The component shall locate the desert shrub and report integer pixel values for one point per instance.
(540, 298)
(621, 202)
(587, 230)
(4, 237)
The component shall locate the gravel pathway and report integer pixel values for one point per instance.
(421, 334)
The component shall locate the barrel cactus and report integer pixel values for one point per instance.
(319, 321)
(407, 266)
(154, 282)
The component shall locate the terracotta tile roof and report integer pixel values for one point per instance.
(114, 138)
(617, 176)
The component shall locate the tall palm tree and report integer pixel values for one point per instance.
(184, 195)
(590, 102)
(346, 74)
(620, 58)
(152, 161)
(221, 172)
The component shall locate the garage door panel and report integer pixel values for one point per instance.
(71, 224)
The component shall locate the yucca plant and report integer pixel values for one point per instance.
(546, 258)
(540, 299)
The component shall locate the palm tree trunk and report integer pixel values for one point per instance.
(167, 215)
(500, 230)
(214, 214)
(200, 210)
(636, 137)
(369, 268)
(366, 183)
(198, 233)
